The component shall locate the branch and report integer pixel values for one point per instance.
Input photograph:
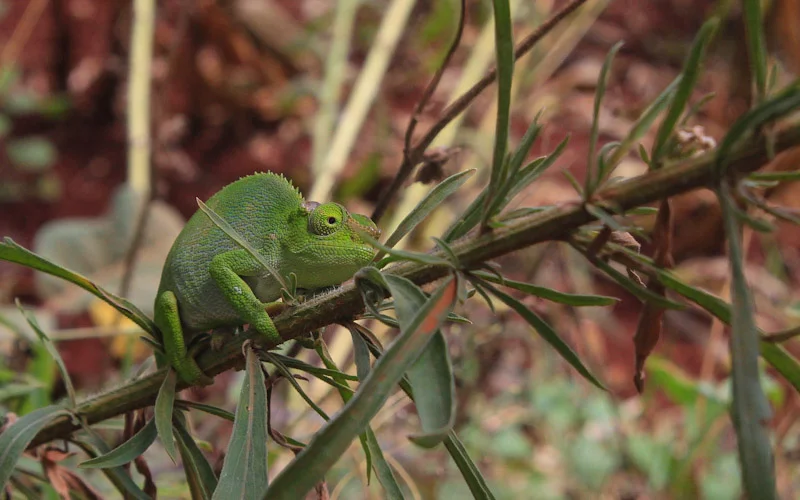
(345, 303)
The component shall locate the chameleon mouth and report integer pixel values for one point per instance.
(356, 226)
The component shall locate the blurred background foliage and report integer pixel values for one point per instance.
(236, 86)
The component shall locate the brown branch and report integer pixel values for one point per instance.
(472, 251)
(410, 160)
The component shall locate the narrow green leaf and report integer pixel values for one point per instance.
(570, 299)
(211, 410)
(689, 76)
(51, 349)
(776, 176)
(244, 474)
(311, 369)
(504, 54)
(165, 402)
(751, 410)
(199, 474)
(11, 252)
(593, 173)
(472, 475)
(525, 176)
(383, 472)
(775, 355)
(514, 165)
(369, 442)
(127, 451)
(293, 381)
(574, 182)
(311, 464)
(422, 258)
(524, 147)
(642, 126)
(546, 332)
(448, 251)
(533, 170)
(226, 228)
(785, 102)
(432, 381)
(783, 362)
(756, 45)
(604, 217)
(16, 437)
(640, 292)
(433, 199)
(118, 476)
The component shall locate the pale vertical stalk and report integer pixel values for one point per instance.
(139, 74)
(362, 97)
(335, 66)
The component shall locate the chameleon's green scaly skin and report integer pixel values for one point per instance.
(209, 281)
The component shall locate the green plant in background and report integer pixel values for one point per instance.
(418, 359)
(34, 153)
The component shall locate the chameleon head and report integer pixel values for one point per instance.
(332, 248)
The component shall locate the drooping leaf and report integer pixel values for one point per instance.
(16, 437)
(119, 477)
(165, 402)
(431, 379)
(570, 299)
(639, 291)
(199, 474)
(127, 451)
(335, 437)
(290, 378)
(546, 332)
(472, 475)
(369, 442)
(11, 252)
(244, 474)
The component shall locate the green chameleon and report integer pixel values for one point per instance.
(209, 281)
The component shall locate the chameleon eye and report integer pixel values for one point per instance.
(326, 219)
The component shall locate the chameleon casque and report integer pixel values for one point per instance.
(209, 281)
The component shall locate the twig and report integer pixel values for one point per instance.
(434, 83)
(411, 159)
(472, 251)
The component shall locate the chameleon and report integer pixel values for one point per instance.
(209, 281)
